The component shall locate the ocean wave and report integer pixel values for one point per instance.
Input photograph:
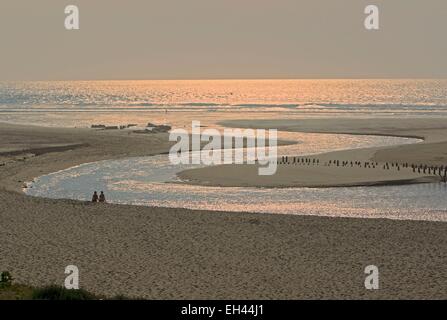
(311, 107)
(268, 105)
(385, 106)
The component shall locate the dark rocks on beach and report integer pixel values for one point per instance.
(105, 127)
(155, 129)
(98, 126)
(162, 128)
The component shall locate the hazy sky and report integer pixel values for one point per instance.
(202, 39)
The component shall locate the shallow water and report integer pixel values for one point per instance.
(152, 181)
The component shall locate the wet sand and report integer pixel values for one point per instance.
(431, 152)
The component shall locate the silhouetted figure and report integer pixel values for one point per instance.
(95, 197)
(102, 197)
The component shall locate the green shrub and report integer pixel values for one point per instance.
(5, 280)
(8, 291)
(61, 293)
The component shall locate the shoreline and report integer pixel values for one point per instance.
(75, 146)
(168, 253)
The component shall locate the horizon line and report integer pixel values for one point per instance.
(225, 79)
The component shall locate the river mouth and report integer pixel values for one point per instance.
(152, 181)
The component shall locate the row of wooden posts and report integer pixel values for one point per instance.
(419, 168)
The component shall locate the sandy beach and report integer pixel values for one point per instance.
(161, 253)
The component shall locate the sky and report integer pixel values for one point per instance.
(222, 39)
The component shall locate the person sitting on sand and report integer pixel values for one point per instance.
(102, 197)
(95, 197)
